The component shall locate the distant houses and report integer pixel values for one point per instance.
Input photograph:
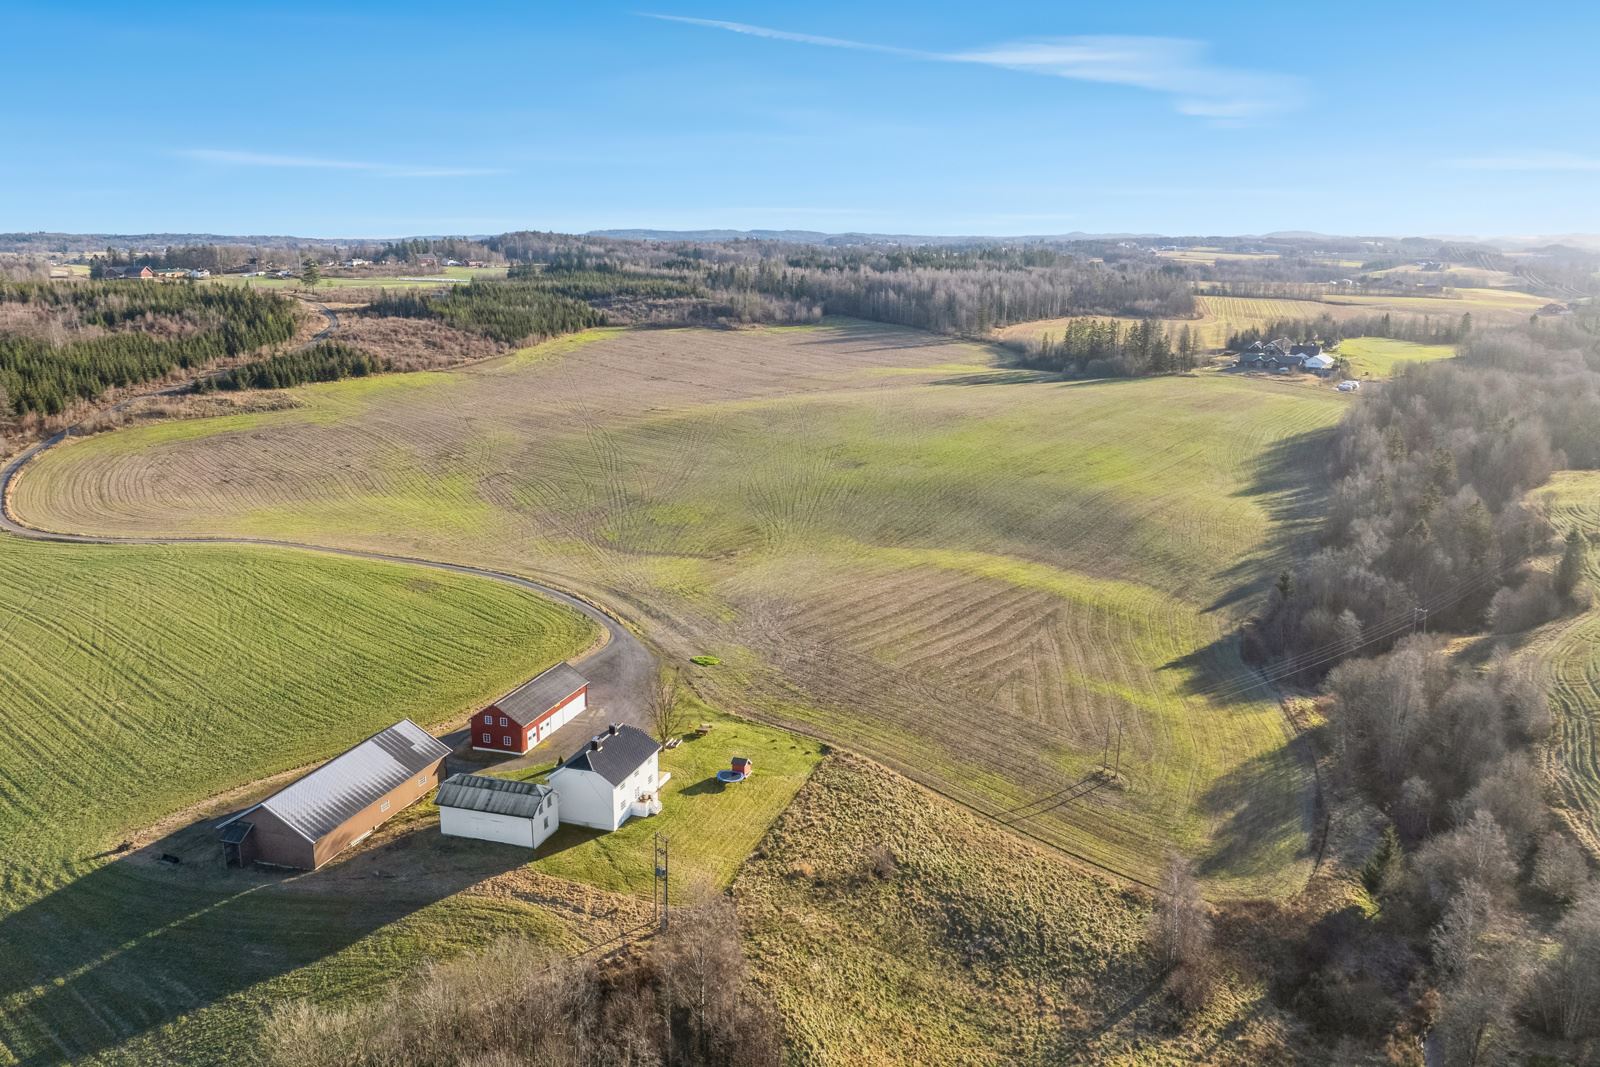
(312, 820)
(1283, 356)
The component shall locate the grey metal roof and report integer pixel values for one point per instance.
(613, 756)
(317, 804)
(498, 796)
(532, 699)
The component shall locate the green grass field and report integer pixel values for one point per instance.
(404, 280)
(1380, 357)
(135, 681)
(979, 578)
(1217, 317)
(1570, 651)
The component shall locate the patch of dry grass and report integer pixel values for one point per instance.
(891, 927)
(415, 344)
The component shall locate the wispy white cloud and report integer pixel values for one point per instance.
(1171, 66)
(231, 158)
(1531, 161)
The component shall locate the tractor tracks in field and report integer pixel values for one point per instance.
(621, 669)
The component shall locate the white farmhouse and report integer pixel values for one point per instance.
(498, 809)
(612, 778)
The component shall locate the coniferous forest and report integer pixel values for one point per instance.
(73, 342)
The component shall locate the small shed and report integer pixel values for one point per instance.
(497, 809)
(308, 822)
(742, 765)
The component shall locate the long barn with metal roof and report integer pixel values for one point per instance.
(307, 823)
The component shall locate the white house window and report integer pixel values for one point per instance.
(384, 806)
(506, 741)
(487, 739)
(487, 719)
(502, 720)
(547, 822)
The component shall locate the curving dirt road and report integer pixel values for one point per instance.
(621, 670)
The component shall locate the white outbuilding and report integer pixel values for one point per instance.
(498, 809)
(612, 778)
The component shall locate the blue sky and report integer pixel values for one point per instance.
(999, 118)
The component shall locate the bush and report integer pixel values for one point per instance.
(1559, 867)
(1530, 604)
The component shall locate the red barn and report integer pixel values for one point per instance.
(529, 714)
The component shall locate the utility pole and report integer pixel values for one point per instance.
(660, 898)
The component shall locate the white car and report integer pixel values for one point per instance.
(1349, 387)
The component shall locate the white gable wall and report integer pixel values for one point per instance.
(587, 799)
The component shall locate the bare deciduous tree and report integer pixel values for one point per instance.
(1477, 852)
(1180, 927)
(1559, 867)
(667, 716)
(1567, 991)
(712, 1015)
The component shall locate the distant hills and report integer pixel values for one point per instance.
(43, 243)
(818, 237)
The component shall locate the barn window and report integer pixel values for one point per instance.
(502, 720)
(487, 719)
(506, 741)
(384, 806)
(487, 739)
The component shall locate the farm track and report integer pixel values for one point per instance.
(621, 670)
(869, 533)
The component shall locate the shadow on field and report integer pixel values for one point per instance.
(1215, 672)
(140, 941)
(1291, 484)
(1016, 376)
(1252, 836)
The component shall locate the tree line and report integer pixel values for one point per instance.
(1426, 509)
(511, 312)
(137, 333)
(1100, 348)
(1327, 329)
(1428, 533)
(325, 361)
